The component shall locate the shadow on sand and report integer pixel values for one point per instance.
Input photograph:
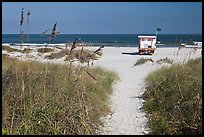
(135, 53)
(130, 53)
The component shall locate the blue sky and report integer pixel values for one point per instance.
(104, 17)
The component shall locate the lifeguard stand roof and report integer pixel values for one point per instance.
(153, 37)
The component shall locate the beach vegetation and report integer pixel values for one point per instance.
(3, 131)
(53, 99)
(190, 41)
(26, 50)
(10, 49)
(4, 55)
(173, 99)
(58, 47)
(165, 60)
(142, 61)
(83, 55)
(45, 50)
(57, 55)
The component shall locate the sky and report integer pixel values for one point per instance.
(104, 17)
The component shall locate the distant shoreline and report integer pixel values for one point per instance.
(110, 40)
(108, 34)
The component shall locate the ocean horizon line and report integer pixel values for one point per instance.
(109, 34)
(110, 39)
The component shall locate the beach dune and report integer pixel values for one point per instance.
(127, 117)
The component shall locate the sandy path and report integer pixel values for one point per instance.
(127, 117)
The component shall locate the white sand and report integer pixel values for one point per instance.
(34, 55)
(127, 117)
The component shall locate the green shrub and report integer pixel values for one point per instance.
(3, 131)
(173, 99)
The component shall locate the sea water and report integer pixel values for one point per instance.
(118, 40)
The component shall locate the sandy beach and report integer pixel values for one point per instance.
(127, 117)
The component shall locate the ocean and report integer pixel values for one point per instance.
(120, 40)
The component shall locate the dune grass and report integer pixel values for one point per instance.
(165, 60)
(50, 99)
(82, 56)
(79, 54)
(10, 49)
(142, 61)
(45, 50)
(58, 55)
(26, 50)
(173, 99)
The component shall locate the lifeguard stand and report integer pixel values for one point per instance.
(147, 44)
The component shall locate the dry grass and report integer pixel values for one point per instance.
(173, 99)
(58, 55)
(142, 61)
(58, 47)
(165, 60)
(80, 55)
(26, 50)
(10, 49)
(45, 50)
(48, 99)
